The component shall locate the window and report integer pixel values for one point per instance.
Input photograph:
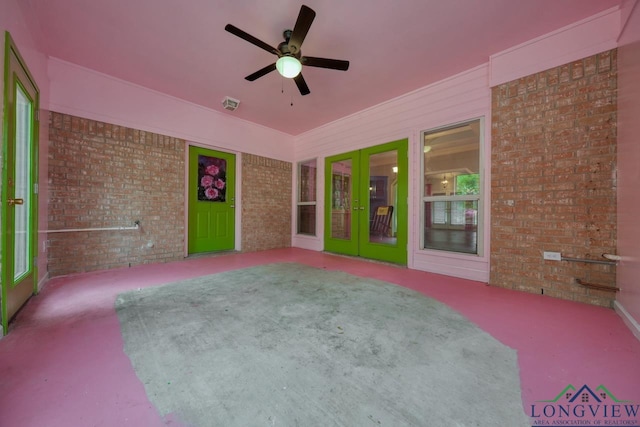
(452, 194)
(307, 197)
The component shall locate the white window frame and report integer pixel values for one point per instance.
(308, 203)
(454, 198)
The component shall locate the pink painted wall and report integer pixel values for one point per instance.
(13, 20)
(592, 35)
(86, 93)
(628, 301)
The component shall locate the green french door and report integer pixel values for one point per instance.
(366, 209)
(211, 201)
(19, 194)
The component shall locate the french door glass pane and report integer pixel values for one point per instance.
(383, 186)
(22, 184)
(341, 188)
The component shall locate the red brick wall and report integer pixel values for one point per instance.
(553, 179)
(266, 203)
(103, 175)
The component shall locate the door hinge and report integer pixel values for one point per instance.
(35, 188)
(37, 115)
(35, 260)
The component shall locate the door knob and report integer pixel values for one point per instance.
(13, 202)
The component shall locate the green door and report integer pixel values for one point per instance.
(19, 195)
(211, 200)
(342, 203)
(366, 202)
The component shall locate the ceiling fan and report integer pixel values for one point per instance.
(290, 58)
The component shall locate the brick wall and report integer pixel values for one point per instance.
(103, 175)
(266, 203)
(553, 179)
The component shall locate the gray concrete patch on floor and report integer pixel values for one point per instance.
(292, 345)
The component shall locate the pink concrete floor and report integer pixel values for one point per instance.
(62, 363)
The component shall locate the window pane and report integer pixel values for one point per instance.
(307, 181)
(306, 214)
(22, 184)
(451, 174)
(452, 160)
(451, 226)
(307, 219)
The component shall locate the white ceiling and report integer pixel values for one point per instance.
(181, 48)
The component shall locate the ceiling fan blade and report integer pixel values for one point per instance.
(302, 85)
(261, 72)
(300, 30)
(334, 64)
(248, 37)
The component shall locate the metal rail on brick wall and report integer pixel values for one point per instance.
(597, 287)
(590, 261)
(610, 260)
(136, 226)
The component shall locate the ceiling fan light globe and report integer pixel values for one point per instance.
(288, 66)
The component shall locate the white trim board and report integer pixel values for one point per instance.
(628, 320)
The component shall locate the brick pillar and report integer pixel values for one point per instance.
(553, 179)
(266, 203)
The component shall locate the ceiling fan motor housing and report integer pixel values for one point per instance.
(286, 50)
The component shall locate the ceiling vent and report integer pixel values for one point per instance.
(230, 103)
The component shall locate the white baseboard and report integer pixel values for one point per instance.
(631, 323)
(42, 281)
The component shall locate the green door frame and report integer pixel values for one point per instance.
(359, 243)
(220, 234)
(16, 74)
